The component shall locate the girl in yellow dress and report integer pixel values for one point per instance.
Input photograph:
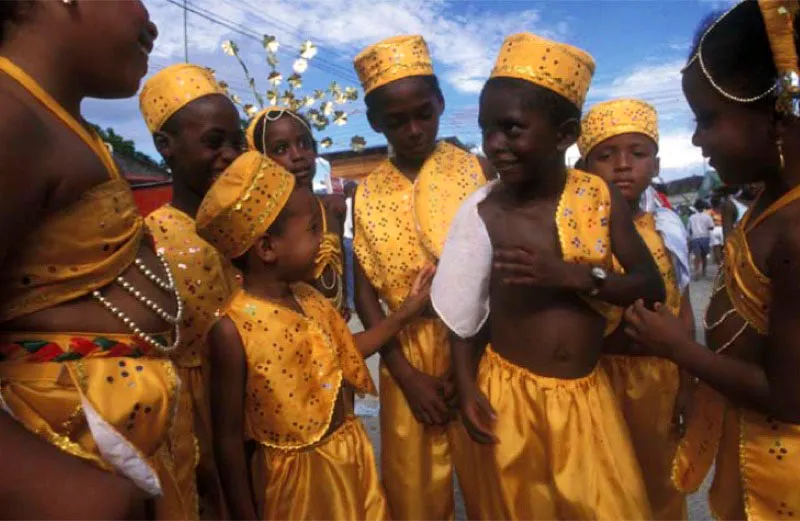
(741, 83)
(89, 312)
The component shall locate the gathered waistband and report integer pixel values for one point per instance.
(493, 361)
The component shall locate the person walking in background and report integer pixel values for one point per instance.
(700, 226)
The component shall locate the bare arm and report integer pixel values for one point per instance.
(227, 390)
(371, 340)
(476, 412)
(641, 279)
(770, 386)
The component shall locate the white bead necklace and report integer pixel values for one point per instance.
(168, 286)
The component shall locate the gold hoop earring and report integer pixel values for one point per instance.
(779, 144)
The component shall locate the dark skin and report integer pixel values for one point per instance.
(755, 372)
(94, 49)
(534, 293)
(283, 256)
(288, 142)
(407, 112)
(630, 162)
(198, 143)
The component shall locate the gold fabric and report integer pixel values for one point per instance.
(615, 117)
(582, 220)
(243, 202)
(77, 249)
(561, 68)
(329, 258)
(334, 479)
(448, 176)
(171, 89)
(136, 396)
(392, 59)
(206, 282)
(646, 388)
(756, 475)
(296, 366)
(563, 450)
(416, 460)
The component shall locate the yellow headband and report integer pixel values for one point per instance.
(392, 59)
(779, 20)
(561, 68)
(243, 203)
(173, 88)
(250, 133)
(612, 118)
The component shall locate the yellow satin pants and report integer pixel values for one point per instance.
(646, 388)
(334, 479)
(417, 460)
(563, 450)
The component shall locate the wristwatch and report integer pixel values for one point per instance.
(599, 276)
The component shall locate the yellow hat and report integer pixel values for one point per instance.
(171, 89)
(393, 59)
(561, 68)
(612, 118)
(243, 203)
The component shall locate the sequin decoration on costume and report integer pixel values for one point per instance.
(391, 60)
(296, 365)
(612, 118)
(205, 279)
(583, 220)
(561, 68)
(448, 176)
(386, 240)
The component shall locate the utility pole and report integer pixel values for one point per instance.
(185, 32)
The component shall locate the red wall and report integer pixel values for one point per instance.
(152, 197)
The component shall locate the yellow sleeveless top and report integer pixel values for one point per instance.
(78, 249)
(205, 280)
(646, 226)
(399, 225)
(329, 255)
(760, 448)
(296, 365)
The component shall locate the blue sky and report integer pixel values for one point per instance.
(639, 46)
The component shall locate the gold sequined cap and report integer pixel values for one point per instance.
(393, 59)
(243, 203)
(173, 88)
(561, 68)
(612, 118)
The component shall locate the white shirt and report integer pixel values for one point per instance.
(348, 221)
(700, 225)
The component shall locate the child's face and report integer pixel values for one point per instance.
(738, 138)
(296, 246)
(289, 143)
(207, 138)
(520, 142)
(628, 161)
(408, 114)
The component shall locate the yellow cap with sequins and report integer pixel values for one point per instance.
(243, 203)
(392, 59)
(561, 68)
(173, 88)
(612, 118)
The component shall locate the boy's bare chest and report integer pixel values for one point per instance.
(532, 228)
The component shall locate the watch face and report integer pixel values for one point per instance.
(599, 273)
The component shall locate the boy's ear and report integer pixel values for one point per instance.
(265, 250)
(374, 121)
(568, 133)
(163, 143)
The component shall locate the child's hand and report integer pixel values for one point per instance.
(655, 333)
(419, 296)
(478, 416)
(426, 397)
(519, 266)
